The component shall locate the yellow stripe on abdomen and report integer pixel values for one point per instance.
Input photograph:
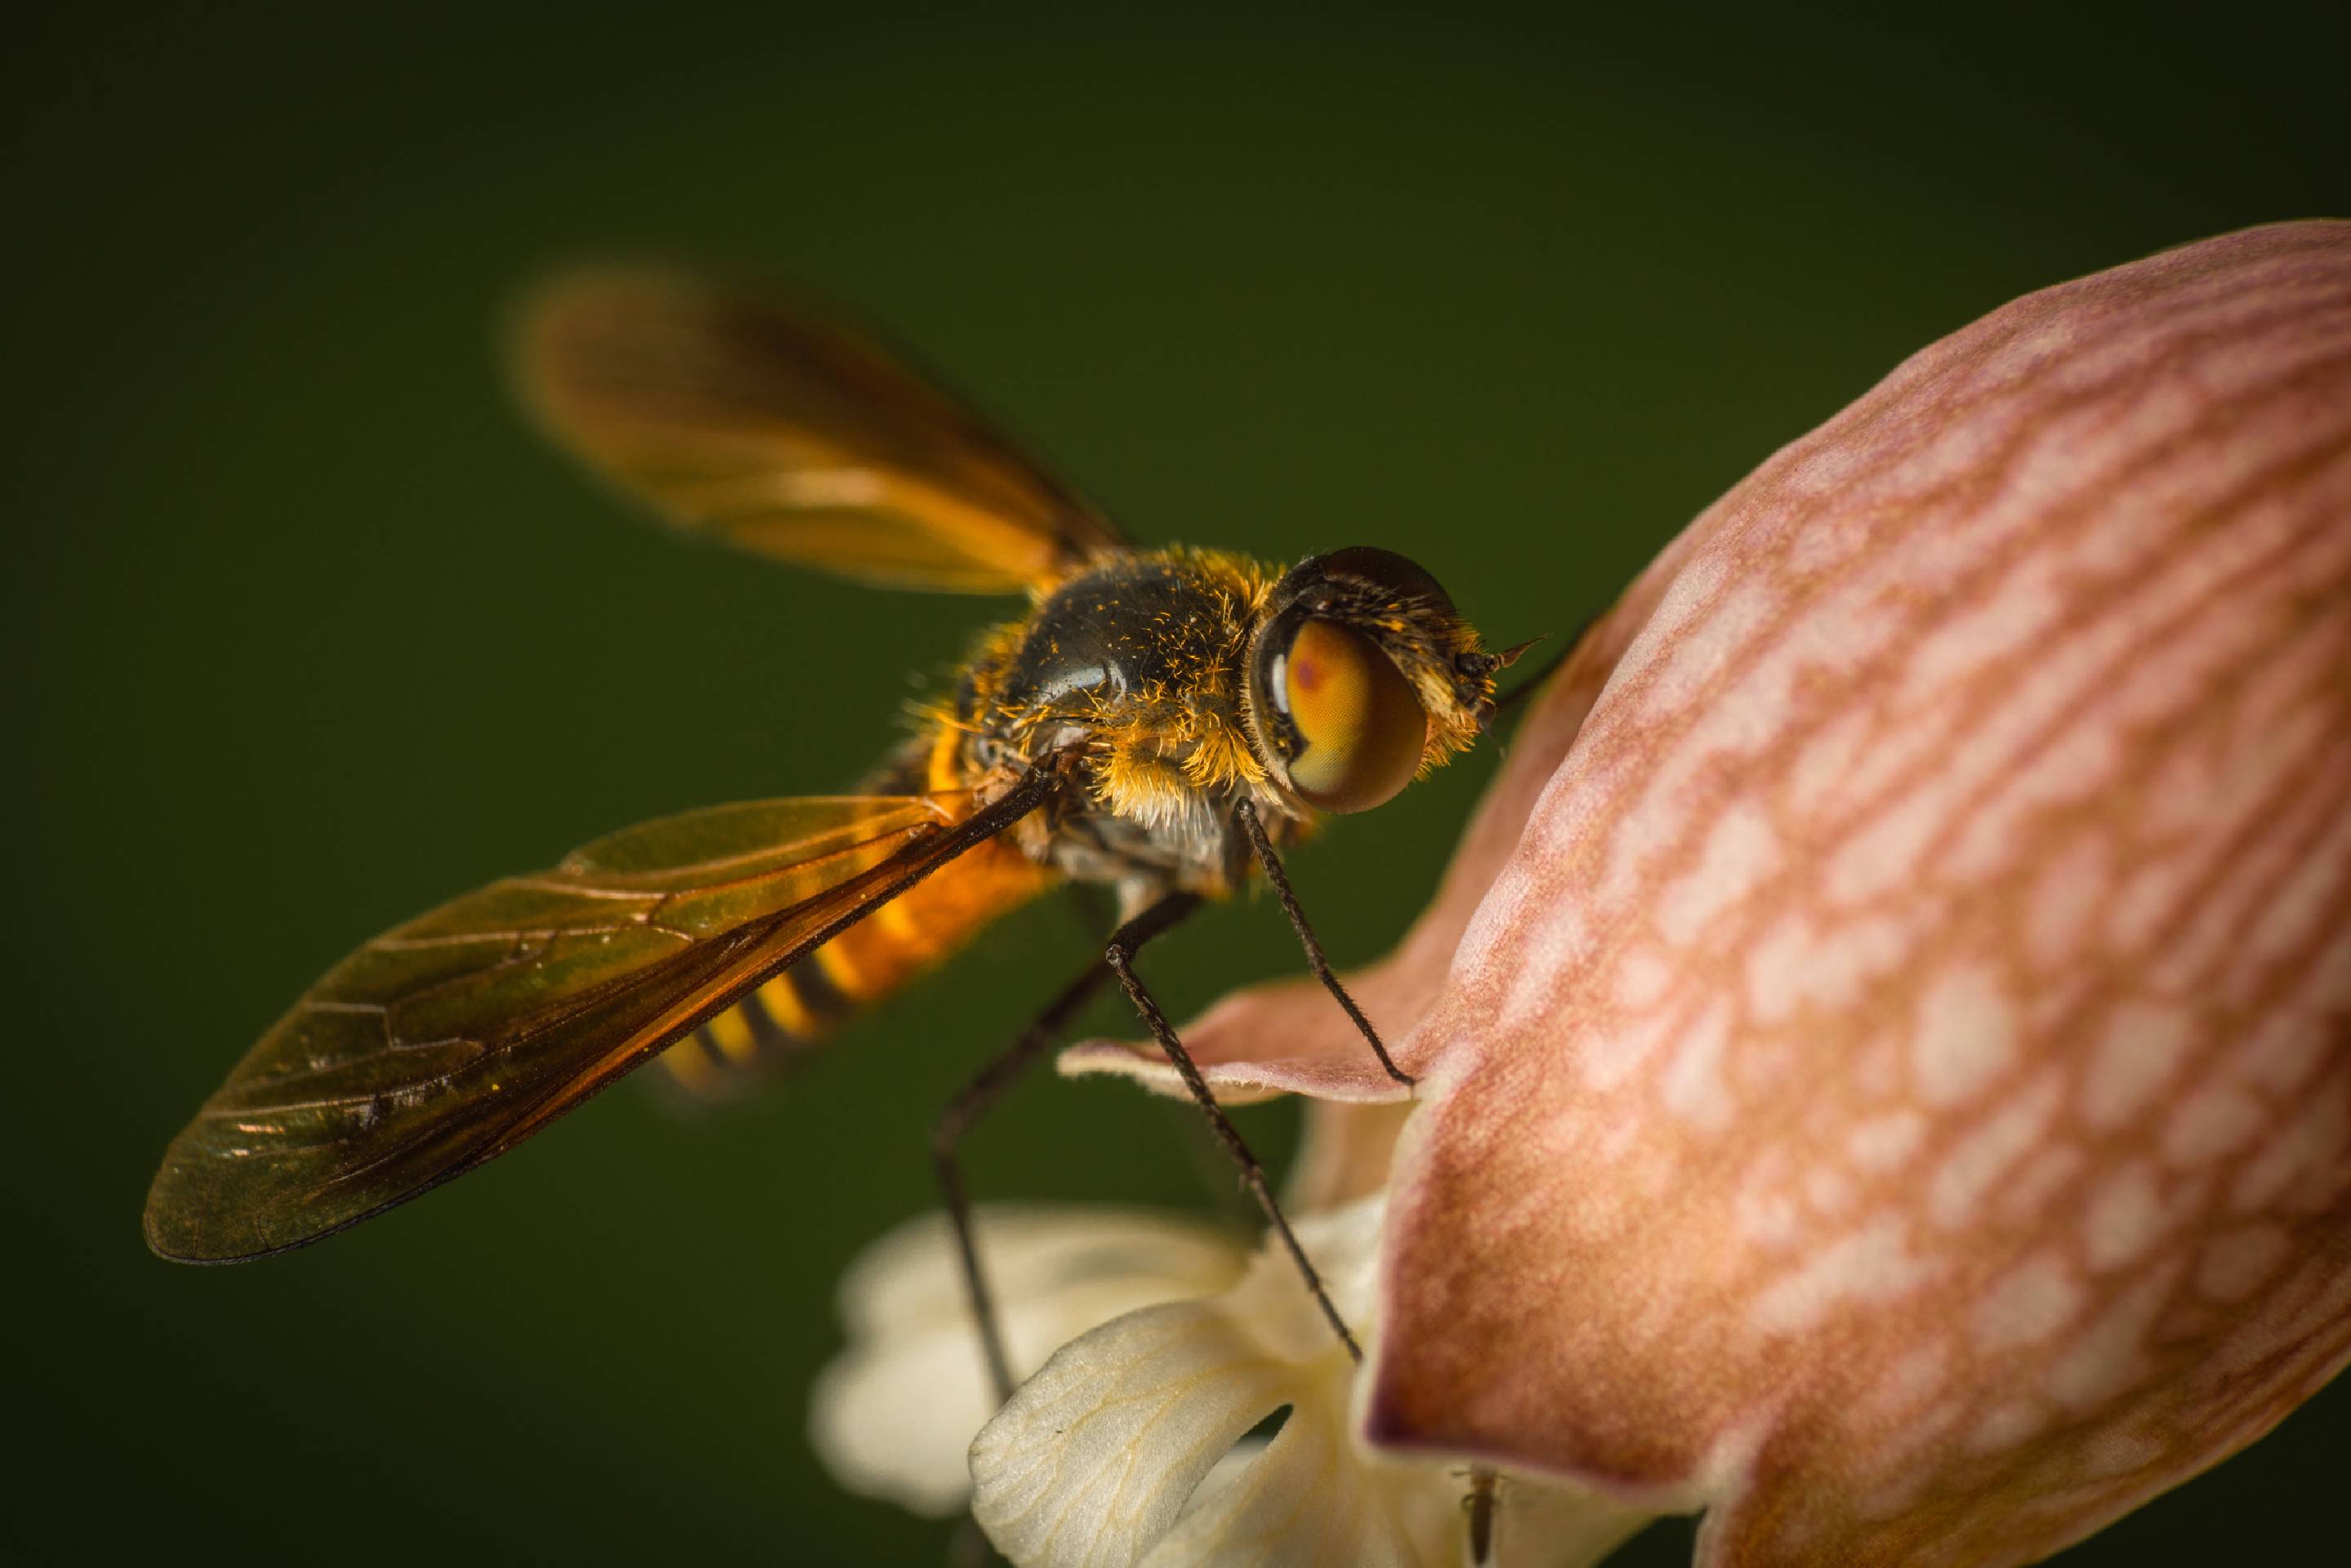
(778, 1022)
(732, 1033)
(782, 1000)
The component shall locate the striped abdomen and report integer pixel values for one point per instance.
(777, 1023)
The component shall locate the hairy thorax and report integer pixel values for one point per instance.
(1140, 663)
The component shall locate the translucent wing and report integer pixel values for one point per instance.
(786, 435)
(449, 1040)
(777, 1027)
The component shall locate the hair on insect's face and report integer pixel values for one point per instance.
(1362, 673)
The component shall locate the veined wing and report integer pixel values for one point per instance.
(455, 1036)
(781, 433)
(781, 1023)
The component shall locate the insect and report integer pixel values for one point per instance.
(1158, 721)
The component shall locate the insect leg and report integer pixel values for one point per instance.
(947, 1132)
(1119, 955)
(982, 1092)
(1314, 959)
(1479, 1506)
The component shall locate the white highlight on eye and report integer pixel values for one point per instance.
(1966, 1036)
(1870, 1264)
(2029, 1303)
(1741, 850)
(1979, 1161)
(2142, 1047)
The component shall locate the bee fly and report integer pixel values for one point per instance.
(1160, 720)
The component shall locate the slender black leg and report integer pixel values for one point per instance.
(1479, 1506)
(983, 1091)
(1123, 942)
(1321, 965)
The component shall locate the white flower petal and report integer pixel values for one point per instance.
(893, 1415)
(1314, 1501)
(1099, 1460)
(1097, 1455)
(1275, 1303)
(1227, 1471)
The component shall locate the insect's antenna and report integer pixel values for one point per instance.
(1511, 655)
(1529, 685)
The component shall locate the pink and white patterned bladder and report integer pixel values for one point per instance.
(1895, 1089)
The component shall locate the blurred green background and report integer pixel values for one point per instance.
(308, 633)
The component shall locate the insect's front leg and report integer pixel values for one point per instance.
(1124, 943)
(1263, 845)
(983, 1091)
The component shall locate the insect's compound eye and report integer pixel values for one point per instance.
(1358, 728)
(1399, 575)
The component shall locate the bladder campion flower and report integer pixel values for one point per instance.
(1888, 1083)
